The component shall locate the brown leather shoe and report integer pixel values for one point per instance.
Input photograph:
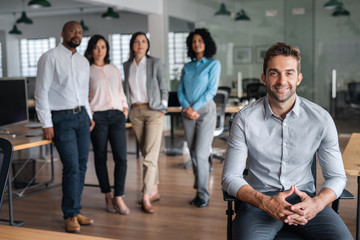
(72, 225)
(147, 208)
(84, 220)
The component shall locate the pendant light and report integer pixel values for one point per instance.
(241, 16)
(223, 10)
(340, 11)
(24, 18)
(15, 30)
(39, 3)
(332, 4)
(110, 14)
(82, 23)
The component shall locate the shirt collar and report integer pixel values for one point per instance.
(142, 62)
(67, 51)
(269, 112)
(202, 60)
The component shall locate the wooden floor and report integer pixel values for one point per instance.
(174, 218)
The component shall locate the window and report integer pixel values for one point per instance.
(177, 53)
(119, 50)
(82, 47)
(30, 52)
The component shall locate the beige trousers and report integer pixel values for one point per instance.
(148, 127)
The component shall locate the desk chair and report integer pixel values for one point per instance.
(247, 81)
(6, 150)
(233, 205)
(354, 95)
(255, 90)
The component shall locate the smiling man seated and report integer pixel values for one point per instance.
(278, 135)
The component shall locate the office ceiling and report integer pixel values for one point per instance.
(58, 7)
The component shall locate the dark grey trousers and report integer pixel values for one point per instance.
(251, 223)
(199, 136)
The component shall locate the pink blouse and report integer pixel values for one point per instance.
(106, 91)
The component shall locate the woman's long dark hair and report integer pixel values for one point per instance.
(132, 40)
(91, 45)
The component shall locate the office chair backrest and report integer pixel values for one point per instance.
(220, 99)
(255, 90)
(227, 89)
(247, 81)
(6, 150)
(354, 92)
(173, 100)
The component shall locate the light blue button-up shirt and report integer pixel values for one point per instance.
(280, 151)
(199, 82)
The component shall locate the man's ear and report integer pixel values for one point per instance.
(263, 79)
(300, 77)
(62, 35)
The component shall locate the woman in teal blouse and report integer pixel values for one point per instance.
(198, 86)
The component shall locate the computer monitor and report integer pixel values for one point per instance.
(13, 102)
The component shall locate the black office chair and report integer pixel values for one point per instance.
(173, 100)
(6, 150)
(255, 90)
(247, 81)
(354, 96)
(285, 233)
(225, 88)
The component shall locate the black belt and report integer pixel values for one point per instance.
(69, 111)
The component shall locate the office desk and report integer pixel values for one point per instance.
(175, 143)
(24, 137)
(351, 158)
(230, 109)
(13, 233)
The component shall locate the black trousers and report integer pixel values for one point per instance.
(110, 125)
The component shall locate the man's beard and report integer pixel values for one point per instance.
(71, 44)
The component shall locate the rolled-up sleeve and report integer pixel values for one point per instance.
(331, 161)
(235, 160)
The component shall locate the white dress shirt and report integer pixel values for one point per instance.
(62, 82)
(137, 82)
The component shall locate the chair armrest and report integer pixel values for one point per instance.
(228, 197)
(346, 195)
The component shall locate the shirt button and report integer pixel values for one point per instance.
(283, 163)
(284, 124)
(284, 144)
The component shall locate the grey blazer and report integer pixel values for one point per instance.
(156, 83)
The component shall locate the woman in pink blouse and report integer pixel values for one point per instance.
(109, 106)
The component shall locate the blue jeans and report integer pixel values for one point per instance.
(72, 140)
(110, 125)
(253, 223)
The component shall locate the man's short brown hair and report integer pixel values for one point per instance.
(282, 49)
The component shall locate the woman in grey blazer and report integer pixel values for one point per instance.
(147, 95)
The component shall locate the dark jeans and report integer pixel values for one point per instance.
(72, 140)
(252, 223)
(110, 125)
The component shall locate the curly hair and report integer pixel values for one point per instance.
(132, 40)
(210, 45)
(282, 49)
(91, 46)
